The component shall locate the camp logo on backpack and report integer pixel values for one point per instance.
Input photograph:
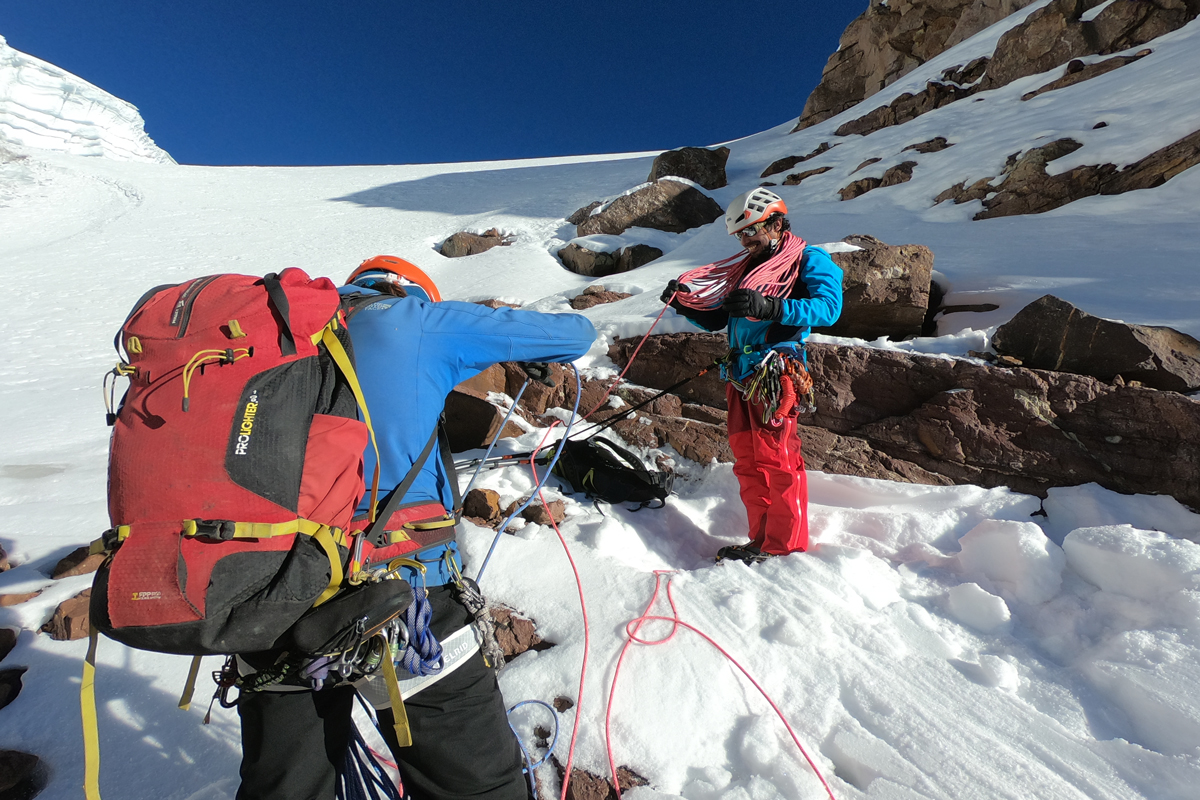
(235, 464)
(605, 471)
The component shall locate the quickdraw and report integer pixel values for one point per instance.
(778, 384)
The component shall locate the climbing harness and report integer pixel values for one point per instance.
(780, 384)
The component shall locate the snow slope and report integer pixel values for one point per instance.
(937, 642)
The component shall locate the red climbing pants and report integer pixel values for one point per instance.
(770, 470)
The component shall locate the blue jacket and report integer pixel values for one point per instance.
(410, 353)
(815, 301)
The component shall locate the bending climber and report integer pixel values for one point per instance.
(411, 350)
(769, 297)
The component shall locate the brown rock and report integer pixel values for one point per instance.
(470, 244)
(515, 633)
(471, 421)
(8, 640)
(968, 73)
(784, 164)
(17, 774)
(4, 565)
(77, 562)
(7, 600)
(889, 40)
(537, 513)
(494, 303)
(482, 504)
(71, 618)
(669, 358)
(713, 416)
(866, 163)
(1050, 333)
(665, 205)
(697, 164)
(594, 264)
(585, 212)
(595, 296)
(796, 178)
(901, 173)
(492, 379)
(585, 785)
(932, 146)
(961, 193)
(885, 289)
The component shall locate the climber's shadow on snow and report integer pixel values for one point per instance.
(148, 747)
(534, 191)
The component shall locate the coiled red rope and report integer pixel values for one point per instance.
(711, 283)
(631, 632)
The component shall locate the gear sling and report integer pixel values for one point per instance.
(235, 468)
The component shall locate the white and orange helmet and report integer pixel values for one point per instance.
(751, 208)
(398, 271)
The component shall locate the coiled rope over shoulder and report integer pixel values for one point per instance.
(711, 283)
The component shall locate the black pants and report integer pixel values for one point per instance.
(293, 742)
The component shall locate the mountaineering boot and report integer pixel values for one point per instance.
(748, 553)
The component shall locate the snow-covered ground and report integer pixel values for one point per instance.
(935, 643)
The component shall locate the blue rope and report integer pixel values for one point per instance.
(529, 768)
(423, 653)
(361, 776)
(546, 476)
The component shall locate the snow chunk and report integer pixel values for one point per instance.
(1016, 556)
(974, 606)
(1146, 565)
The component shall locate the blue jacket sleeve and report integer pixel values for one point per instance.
(823, 306)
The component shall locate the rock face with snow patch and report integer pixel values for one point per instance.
(698, 164)
(890, 39)
(44, 107)
(595, 264)
(666, 205)
(885, 289)
(1052, 334)
(465, 243)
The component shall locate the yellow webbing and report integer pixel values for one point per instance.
(343, 362)
(325, 539)
(403, 734)
(189, 688)
(267, 530)
(91, 732)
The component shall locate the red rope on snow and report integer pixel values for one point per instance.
(711, 283)
(631, 631)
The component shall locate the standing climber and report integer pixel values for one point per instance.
(770, 297)
(411, 350)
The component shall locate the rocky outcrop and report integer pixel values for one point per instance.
(901, 173)
(665, 205)
(71, 619)
(885, 289)
(796, 178)
(7, 600)
(4, 565)
(1027, 188)
(1078, 72)
(697, 164)
(906, 107)
(482, 506)
(18, 773)
(934, 420)
(934, 145)
(8, 640)
(784, 164)
(588, 786)
(465, 243)
(1056, 34)
(10, 685)
(891, 38)
(596, 296)
(596, 264)
(515, 633)
(472, 421)
(1052, 334)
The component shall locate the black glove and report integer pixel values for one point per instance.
(672, 288)
(751, 303)
(538, 370)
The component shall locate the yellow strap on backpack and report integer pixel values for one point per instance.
(338, 353)
(403, 733)
(91, 731)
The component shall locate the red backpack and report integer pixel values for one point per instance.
(235, 464)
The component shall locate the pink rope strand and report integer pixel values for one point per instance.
(631, 631)
(711, 283)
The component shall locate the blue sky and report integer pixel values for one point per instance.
(394, 82)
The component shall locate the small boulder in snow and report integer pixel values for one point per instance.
(698, 164)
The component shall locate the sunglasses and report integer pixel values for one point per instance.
(752, 230)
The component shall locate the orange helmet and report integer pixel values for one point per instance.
(396, 270)
(752, 207)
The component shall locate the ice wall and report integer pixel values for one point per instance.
(42, 106)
